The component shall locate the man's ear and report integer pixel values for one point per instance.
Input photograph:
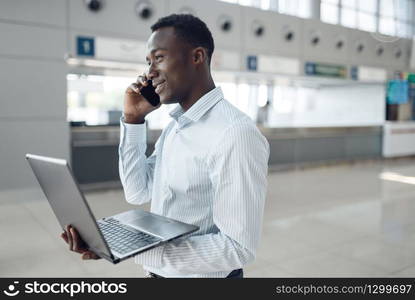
(199, 55)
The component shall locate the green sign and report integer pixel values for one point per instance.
(327, 70)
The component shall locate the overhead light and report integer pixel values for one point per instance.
(94, 5)
(144, 10)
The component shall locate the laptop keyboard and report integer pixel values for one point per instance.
(124, 240)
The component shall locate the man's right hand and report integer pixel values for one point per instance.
(76, 244)
(136, 107)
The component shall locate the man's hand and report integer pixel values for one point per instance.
(136, 107)
(76, 244)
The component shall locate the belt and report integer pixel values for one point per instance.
(238, 273)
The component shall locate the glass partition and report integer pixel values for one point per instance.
(270, 102)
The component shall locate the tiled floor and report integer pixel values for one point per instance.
(327, 222)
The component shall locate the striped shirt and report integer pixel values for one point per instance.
(209, 168)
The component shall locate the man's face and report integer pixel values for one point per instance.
(170, 65)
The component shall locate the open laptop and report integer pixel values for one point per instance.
(114, 238)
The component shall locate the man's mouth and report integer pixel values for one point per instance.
(159, 87)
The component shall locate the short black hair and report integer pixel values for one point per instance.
(189, 28)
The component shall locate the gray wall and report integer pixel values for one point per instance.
(32, 86)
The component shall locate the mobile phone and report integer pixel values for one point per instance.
(150, 94)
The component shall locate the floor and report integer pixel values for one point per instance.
(338, 221)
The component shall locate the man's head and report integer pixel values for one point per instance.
(179, 53)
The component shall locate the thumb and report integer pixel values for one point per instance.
(89, 255)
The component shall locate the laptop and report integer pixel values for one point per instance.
(114, 238)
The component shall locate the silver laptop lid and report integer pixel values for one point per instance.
(67, 202)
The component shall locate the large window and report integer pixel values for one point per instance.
(391, 17)
(299, 8)
(329, 11)
(396, 17)
(350, 13)
(95, 100)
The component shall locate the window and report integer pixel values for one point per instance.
(391, 17)
(348, 17)
(329, 11)
(366, 18)
(95, 100)
(366, 21)
(98, 100)
(387, 8)
(387, 26)
(359, 14)
(368, 6)
(351, 4)
(299, 8)
(396, 17)
(230, 1)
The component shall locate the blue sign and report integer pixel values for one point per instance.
(397, 91)
(310, 68)
(252, 63)
(354, 73)
(85, 46)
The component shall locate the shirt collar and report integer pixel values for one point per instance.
(199, 108)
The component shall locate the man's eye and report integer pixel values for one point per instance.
(158, 57)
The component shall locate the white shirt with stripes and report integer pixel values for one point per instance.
(209, 168)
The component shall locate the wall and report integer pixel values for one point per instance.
(32, 86)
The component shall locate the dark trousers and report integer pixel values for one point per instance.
(239, 273)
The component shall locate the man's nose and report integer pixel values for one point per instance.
(152, 72)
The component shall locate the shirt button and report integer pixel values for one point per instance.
(177, 130)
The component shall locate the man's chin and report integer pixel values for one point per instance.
(167, 100)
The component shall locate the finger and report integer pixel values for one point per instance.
(64, 236)
(142, 79)
(135, 87)
(70, 242)
(77, 241)
(89, 255)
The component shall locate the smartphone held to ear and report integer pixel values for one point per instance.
(150, 94)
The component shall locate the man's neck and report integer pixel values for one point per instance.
(197, 93)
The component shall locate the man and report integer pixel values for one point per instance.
(209, 165)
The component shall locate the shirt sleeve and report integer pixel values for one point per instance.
(238, 170)
(136, 170)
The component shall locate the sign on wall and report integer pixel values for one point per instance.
(85, 46)
(111, 49)
(328, 70)
(368, 74)
(252, 62)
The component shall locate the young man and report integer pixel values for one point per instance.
(209, 166)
